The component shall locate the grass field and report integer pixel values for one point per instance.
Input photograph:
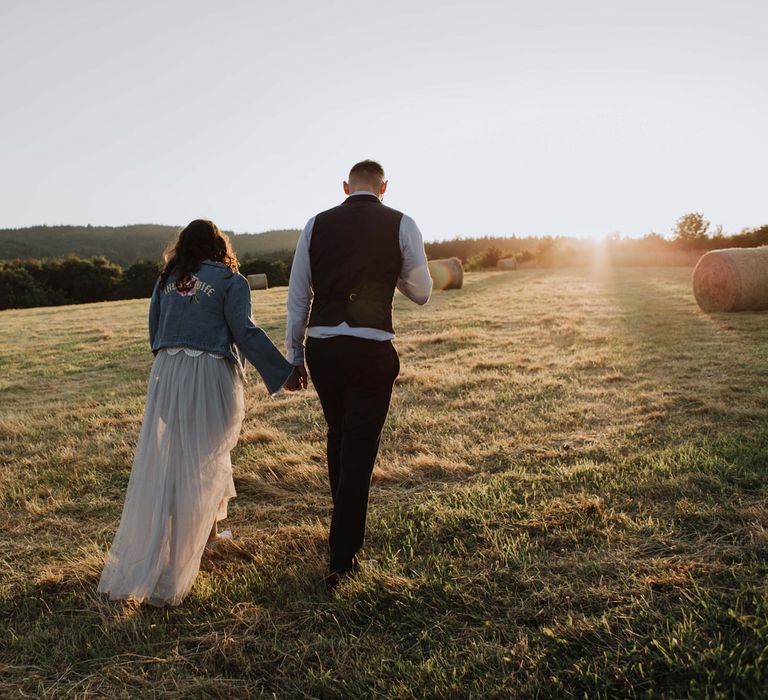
(570, 501)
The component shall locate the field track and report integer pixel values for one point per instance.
(571, 501)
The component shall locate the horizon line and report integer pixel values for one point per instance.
(584, 237)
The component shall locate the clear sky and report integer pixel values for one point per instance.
(549, 117)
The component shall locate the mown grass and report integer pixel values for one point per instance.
(570, 502)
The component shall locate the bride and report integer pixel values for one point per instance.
(200, 326)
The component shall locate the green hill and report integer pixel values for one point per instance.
(124, 245)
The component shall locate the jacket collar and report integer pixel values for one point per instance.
(216, 263)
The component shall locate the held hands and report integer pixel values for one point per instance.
(298, 379)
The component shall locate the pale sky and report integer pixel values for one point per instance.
(551, 117)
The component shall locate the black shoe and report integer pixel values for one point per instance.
(334, 578)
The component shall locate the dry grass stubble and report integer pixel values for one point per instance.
(570, 499)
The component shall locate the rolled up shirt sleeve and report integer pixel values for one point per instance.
(252, 341)
(299, 298)
(414, 281)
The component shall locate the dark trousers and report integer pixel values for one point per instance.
(353, 378)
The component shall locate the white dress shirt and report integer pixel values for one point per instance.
(414, 282)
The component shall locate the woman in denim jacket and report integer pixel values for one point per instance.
(201, 332)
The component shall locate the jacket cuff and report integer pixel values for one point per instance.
(276, 391)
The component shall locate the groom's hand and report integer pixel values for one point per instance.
(298, 379)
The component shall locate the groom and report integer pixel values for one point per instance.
(348, 261)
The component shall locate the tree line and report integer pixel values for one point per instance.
(691, 237)
(74, 280)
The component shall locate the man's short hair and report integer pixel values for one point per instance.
(368, 171)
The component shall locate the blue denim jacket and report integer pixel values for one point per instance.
(214, 315)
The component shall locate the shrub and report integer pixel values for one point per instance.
(485, 260)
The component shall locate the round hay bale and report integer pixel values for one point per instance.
(258, 281)
(446, 274)
(507, 264)
(734, 279)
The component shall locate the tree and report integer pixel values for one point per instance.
(486, 259)
(18, 289)
(691, 228)
(277, 271)
(78, 281)
(545, 251)
(138, 280)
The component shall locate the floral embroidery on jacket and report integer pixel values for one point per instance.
(187, 287)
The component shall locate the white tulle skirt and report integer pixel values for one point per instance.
(181, 478)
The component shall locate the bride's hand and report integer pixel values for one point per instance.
(298, 379)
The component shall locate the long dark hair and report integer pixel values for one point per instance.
(200, 240)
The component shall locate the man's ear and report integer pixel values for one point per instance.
(346, 188)
(383, 187)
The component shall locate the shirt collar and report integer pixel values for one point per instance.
(354, 194)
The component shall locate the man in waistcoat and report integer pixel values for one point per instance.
(347, 264)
